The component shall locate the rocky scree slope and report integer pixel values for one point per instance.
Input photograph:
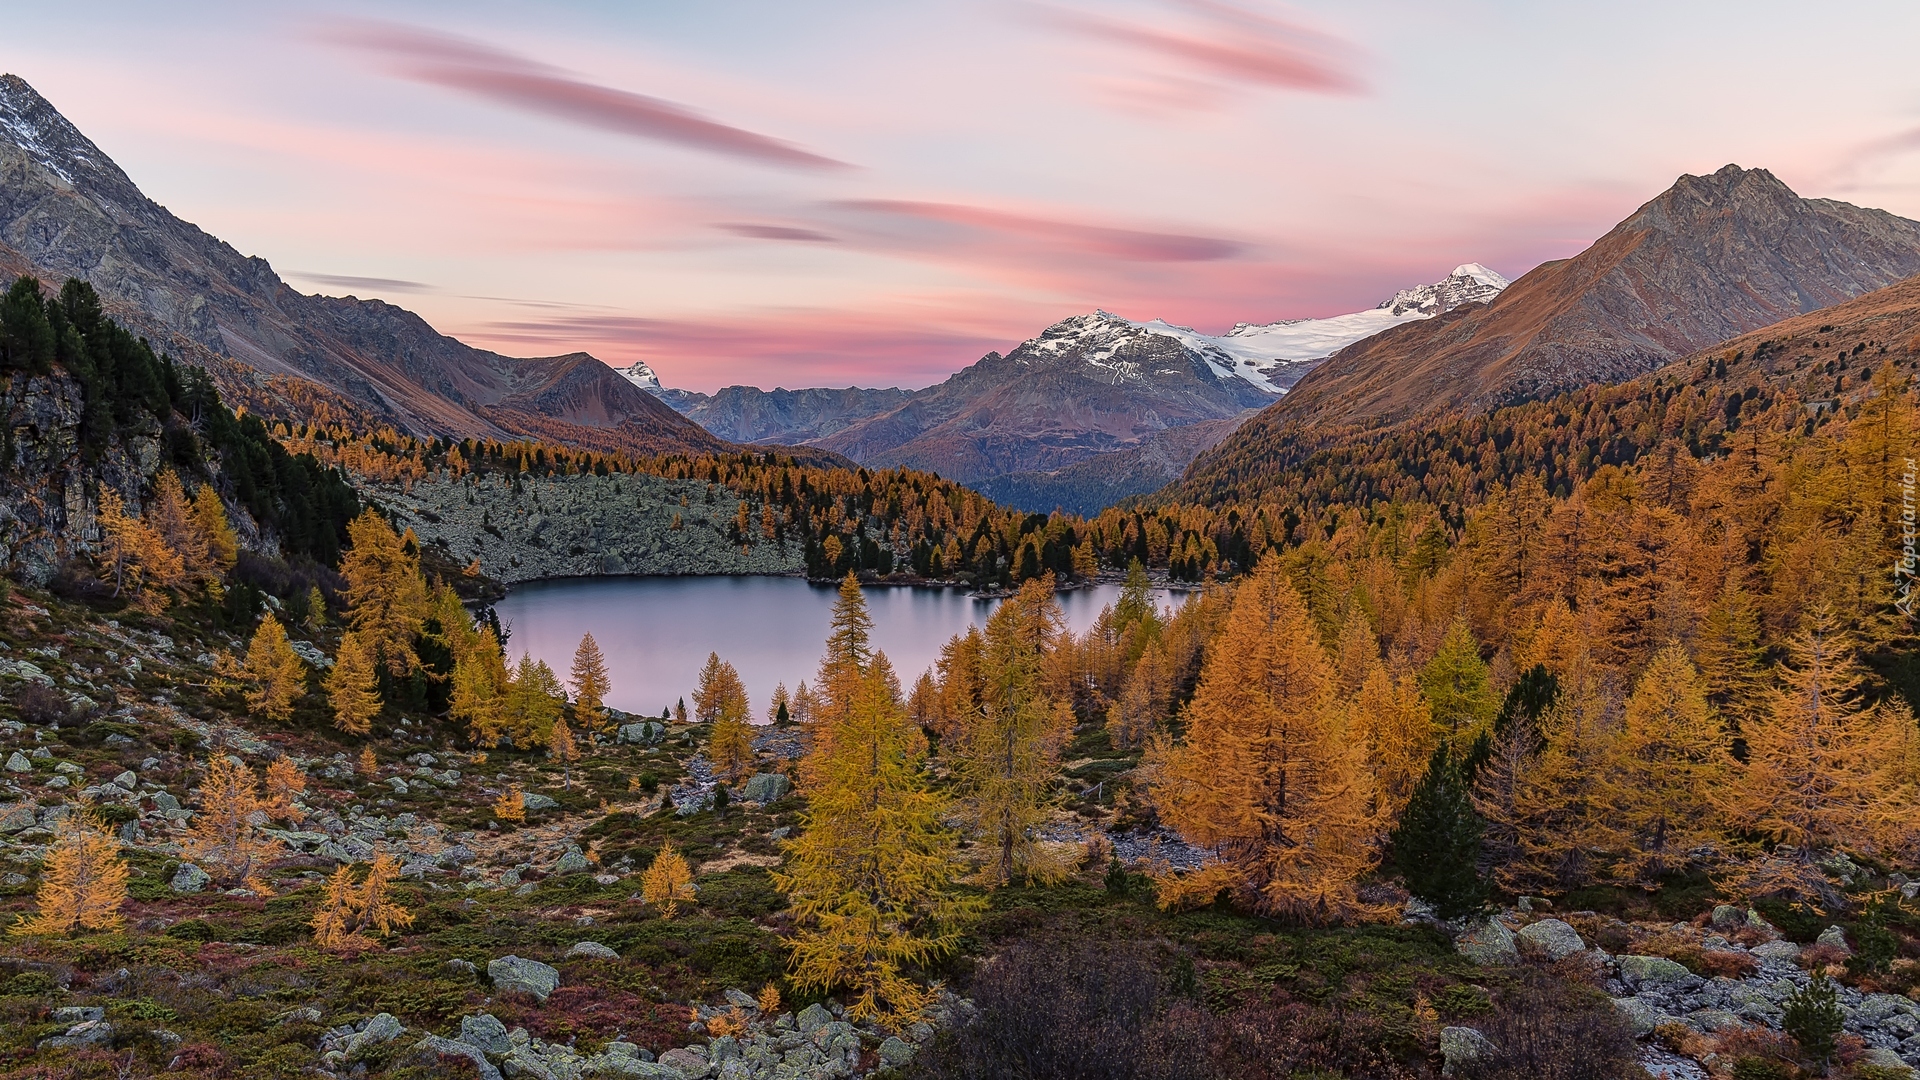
(576, 526)
(66, 210)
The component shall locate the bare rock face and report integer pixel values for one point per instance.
(47, 508)
(748, 414)
(1711, 258)
(66, 210)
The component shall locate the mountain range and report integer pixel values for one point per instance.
(1092, 410)
(66, 210)
(1711, 258)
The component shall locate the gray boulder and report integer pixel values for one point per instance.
(572, 862)
(1462, 1046)
(1712, 1020)
(77, 1014)
(592, 950)
(812, 1018)
(765, 788)
(1835, 937)
(896, 1052)
(486, 1033)
(1552, 938)
(189, 879)
(512, 975)
(1487, 942)
(688, 1061)
(18, 818)
(534, 801)
(1883, 1058)
(1783, 952)
(381, 1029)
(434, 1044)
(1726, 917)
(1642, 972)
(18, 762)
(1640, 1015)
(86, 1033)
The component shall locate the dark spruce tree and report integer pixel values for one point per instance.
(1436, 846)
(1531, 695)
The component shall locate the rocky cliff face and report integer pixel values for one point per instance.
(49, 482)
(66, 210)
(1710, 258)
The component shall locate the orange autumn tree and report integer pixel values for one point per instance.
(135, 556)
(222, 839)
(386, 596)
(286, 782)
(1662, 769)
(275, 674)
(353, 688)
(83, 881)
(1268, 776)
(350, 916)
(590, 686)
(1824, 773)
(667, 881)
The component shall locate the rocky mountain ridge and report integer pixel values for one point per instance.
(66, 210)
(1710, 258)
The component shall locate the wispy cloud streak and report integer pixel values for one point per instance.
(508, 79)
(1233, 44)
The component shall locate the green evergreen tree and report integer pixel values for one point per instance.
(1812, 1016)
(1527, 700)
(1459, 687)
(1436, 845)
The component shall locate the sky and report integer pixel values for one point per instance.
(876, 193)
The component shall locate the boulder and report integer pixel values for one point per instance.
(592, 950)
(127, 780)
(896, 1052)
(1726, 917)
(381, 1029)
(434, 1044)
(687, 1061)
(765, 788)
(77, 1014)
(17, 818)
(741, 998)
(534, 801)
(189, 879)
(1712, 1020)
(1462, 1046)
(1640, 1015)
(1834, 937)
(1882, 1058)
(1641, 972)
(18, 762)
(812, 1018)
(512, 975)
(572, 862)
(486, 1033)
(1552, 938)
(1487, 941)
(1776, 951)
(86, 1033)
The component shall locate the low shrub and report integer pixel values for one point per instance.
(1544, 1029)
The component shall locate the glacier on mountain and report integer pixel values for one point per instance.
(1273, 356)
(640, 375)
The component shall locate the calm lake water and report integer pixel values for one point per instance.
(657, 631)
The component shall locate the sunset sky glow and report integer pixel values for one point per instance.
(876, 193)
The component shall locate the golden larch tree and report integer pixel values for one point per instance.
(562, 748)
(719, 692)
(353, 686)
(223, 545)
(1823, 771)
(843, 667)
(386, 596)
(533, 704)
(1269, 775)
(286, 782)
(667, 881)
(872, 875)
(369, 764)
(1661, 771)
(222, 838)
(1392, 720)
(135, 556)
(480, 685)
(1006, 757)
(83, 880)
(350, 916)
(511, 805)
(274, 673)
(590, 686)
(170, 513)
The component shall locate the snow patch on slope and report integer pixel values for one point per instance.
(1273, 356)
(640, 375)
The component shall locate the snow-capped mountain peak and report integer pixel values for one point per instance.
(1470, 283)
(640, 375)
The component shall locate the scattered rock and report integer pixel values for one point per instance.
(17, 762)
(448, 1047)
(592, 950)
(741, 998)
(1883, 1058)
(812, 1018)
(1462, 1046)
(466, 966)
(382, 1028)
(1552, 938)
(190, 879)
(1488, 942)
(1727, 917)
(512, 975)
(485, 1032)
(1640, 972)
(86, 1033)
(1640, 1015)
(766, 788)
(535, 801)
(896, 1052)
(77, 1014)
(571, 862)
(1834, 937)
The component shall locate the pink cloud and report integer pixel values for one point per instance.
(970, 225)
(505, 78)
(774, 232)
(1232, 44)
(1865, 158)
